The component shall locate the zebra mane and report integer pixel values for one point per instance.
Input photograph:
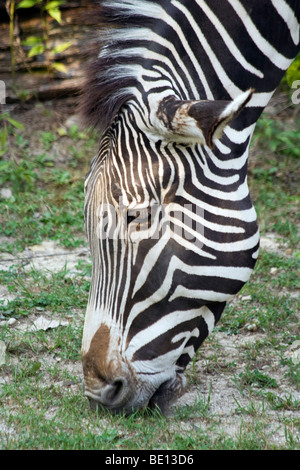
(112, 76)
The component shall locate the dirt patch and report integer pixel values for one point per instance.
(49, 256)
(234, 406)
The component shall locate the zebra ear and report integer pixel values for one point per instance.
(197, 121)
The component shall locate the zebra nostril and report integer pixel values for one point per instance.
(118, 388)
(115, 394)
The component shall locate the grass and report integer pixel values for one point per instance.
(46, 200)
(36, 290)
(274, 177)
(248, 357)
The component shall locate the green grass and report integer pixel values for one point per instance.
(41, 401)
(47, 200)
(37, 290)
(274, 177)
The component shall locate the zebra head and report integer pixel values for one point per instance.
(171, 227)
(153, 297)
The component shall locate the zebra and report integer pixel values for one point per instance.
(175, 90)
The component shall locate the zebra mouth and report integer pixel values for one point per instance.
(167, 393)
(118, 397)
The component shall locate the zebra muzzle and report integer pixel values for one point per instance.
(113, 395)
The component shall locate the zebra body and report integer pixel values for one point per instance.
(176, 91)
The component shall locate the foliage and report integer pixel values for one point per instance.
(4, 131)
(39, 45)
(46, 201)
(273, 138)
(293, 72)
(51, 7)
(274, 174)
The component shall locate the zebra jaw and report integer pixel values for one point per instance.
(196, 122)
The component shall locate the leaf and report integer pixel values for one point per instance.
(27, 3)
(61, 47)
(31, 41)
(3, 137)
(55, 13)
(43, 323)
(62, 131)
(36, 50)
(15, 123)
(53, 4)
(59, 67)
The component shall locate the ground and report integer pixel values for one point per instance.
(243, 385)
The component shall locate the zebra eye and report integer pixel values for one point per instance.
(139, 216)
(130, 218)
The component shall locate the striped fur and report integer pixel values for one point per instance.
(172, 230)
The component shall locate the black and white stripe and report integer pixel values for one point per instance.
(183, 235)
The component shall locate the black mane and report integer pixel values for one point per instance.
(107, 84)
